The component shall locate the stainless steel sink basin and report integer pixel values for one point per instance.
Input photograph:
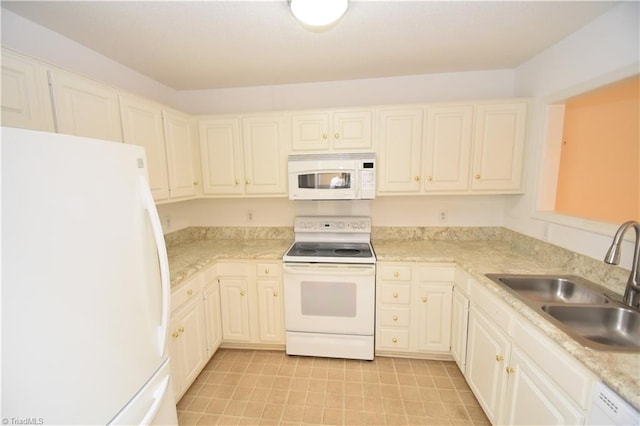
(590, 314)
(552, 289)
(608, 326)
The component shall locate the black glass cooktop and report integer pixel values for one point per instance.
(348, 250)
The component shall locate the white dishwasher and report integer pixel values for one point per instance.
(609, 408)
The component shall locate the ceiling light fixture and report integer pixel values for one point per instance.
(318, 13)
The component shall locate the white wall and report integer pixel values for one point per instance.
(602, 51)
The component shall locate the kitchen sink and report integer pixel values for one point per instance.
(608, 326)
(556, 289)
(595, 317)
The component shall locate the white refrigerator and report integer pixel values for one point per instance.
(85, 284)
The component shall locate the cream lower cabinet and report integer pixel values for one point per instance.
(194, 328)
(519, 375)
(413, 308)
(251, 303)
(459, 327)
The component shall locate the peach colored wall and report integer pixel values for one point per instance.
(600, 161)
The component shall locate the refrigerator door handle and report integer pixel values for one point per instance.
(157, 400)
(154, 218)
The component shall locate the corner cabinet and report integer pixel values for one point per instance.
(339, 130)
(25, 94)
(244, 156)
(413, 309)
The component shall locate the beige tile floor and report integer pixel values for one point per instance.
(271, 388)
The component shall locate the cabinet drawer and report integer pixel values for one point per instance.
(396, 294)
(571, 376)
(436, 273)
(395, 273)
(393, 316)
(268, 270)
(501, 314)
(187, 291)
(232, 269)
(393, 339)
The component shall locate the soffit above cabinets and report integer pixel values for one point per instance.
(215, 44)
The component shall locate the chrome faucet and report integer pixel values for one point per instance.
(632, 291)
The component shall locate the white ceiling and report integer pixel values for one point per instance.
(214, 44)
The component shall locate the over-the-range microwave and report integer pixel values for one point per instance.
(349, 176)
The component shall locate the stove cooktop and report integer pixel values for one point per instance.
(330, 252)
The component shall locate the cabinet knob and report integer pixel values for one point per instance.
(181, 329)
(395, 294)
(394, 340)
(511, 370)
(429, 178)
(396, 274)
(424, 300)
(477, 176)
(237, 182)
(325, 136)
(336, 136)
(416, 178)
(275, 294)
(242, 292)
(266, 271)
(395, 318)
(175, 335)
(499, 358)
(196, 183)
(189, 292)
(246, 182)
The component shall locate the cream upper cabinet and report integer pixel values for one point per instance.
(265, 158)
(177, 133)
(142, 125)
(342, 130)
(498, 146)
(447, 148)
(25, 94)
(84, 107)
(244, 156)
(399, 150)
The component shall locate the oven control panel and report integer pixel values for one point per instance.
(332, 224)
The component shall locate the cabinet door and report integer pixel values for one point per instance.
(179, 154)
(498, 146)
(265, 159)
(351, 130)
(310, 132)
(270, 311)
(532, 398)
(234, 307)
(399, 149)
(25, 94)
(459, 325)
(487, 357)
(221, 155)
(142, 125)
(84, 107)
(447, 148)
(188, 346)
(434, 317)
(213, 319)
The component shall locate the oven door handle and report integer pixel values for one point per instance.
(352, 270)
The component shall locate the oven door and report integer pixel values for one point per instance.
(329, 298)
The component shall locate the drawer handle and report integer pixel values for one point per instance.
(396, 274)
(189, 292)
(424, 300)
(511, 370)
(394, 340)
(499, 358)
(395, 294)
(395, 318)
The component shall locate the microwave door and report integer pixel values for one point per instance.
(325, 185)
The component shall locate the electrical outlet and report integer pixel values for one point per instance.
(442, 216)
(167, 222)
(249, 216)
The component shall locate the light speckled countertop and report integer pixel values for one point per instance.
(621, 371)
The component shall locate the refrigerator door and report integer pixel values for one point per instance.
(83, 312)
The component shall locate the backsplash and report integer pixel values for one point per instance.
(612, 277)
